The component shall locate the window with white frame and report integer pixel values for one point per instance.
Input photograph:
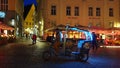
(90, 11)
(76, 11)
(111, 12)
(53, 10)
(97, 11)
(68, 10)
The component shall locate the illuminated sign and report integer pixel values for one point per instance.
(2, 14)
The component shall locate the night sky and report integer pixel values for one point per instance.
(29, 2)
(27, 6)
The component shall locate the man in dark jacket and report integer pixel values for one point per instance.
(94, 41)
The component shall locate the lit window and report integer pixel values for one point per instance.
(13, 22)
(111, 24)
(26, 23)
(90, 24)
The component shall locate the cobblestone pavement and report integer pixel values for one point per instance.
(22, 54)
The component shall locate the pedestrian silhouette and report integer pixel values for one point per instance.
(34, 37)
(94, 41)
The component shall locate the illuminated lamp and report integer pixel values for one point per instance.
(2, 14)
(13, 22)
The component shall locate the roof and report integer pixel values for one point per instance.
(27, 9)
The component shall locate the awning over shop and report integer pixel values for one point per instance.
(5, 27)
(97, 28)
(60, 27)
(114, 28)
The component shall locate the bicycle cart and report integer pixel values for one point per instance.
(78, 48)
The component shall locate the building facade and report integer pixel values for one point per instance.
(97, 13)
(29, 21)
(13, 10)
(40, 16)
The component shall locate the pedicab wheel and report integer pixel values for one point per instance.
(84, 57)
(46, 55)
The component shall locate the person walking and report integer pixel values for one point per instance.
(94, 41)
(34, 37)
(58, 41)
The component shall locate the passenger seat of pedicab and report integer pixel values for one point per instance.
(80, 43)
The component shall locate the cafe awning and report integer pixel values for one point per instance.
(5, 27)
(97, 28)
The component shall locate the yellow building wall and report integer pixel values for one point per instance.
(29, 20)
(83, 18)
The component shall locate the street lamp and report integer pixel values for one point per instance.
(40, 22)
(13, 22)
(41, 27)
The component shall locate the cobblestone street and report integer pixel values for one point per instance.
(23, 54)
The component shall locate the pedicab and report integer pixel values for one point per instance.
(80, 53)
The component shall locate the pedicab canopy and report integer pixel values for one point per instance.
(72, 32)
(86, 32)
(81, 35)
(88, 36)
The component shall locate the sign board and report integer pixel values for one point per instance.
(2, 14)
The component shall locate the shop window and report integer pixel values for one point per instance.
(90, 24)
(111, 24)
(98, 24)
